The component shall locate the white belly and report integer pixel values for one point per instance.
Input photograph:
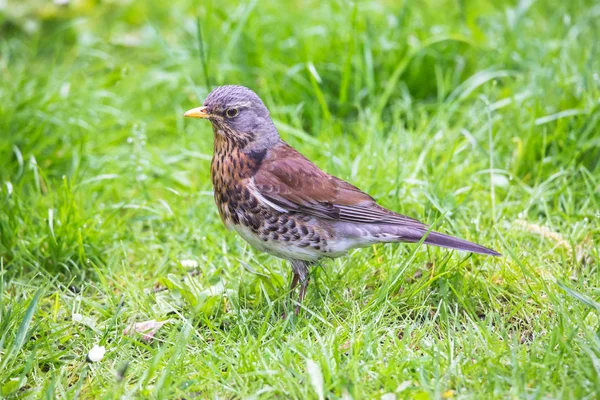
(286, 250)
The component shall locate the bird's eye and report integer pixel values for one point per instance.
(231, 112)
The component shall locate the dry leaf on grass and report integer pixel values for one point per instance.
(580, 249)
(544, 232)
(90, 322)
(345, 346)
(147, 329)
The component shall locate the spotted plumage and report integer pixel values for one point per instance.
(281, 203)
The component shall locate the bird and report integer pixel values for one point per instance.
(281, 203)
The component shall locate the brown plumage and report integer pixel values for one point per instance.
(283, 204)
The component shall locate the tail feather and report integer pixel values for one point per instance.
(441, 240)
(361, 235)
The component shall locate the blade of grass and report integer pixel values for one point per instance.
(17, 343)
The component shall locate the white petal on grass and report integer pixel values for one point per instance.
(316, 377)
(388, 396)
(96, 353)
(189, 263)
(83, 320)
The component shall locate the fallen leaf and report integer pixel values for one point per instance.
(345, 346)
(544, 232)
(147, 329)
(417, 275)
(86, 321)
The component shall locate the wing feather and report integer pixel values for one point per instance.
(291, 181)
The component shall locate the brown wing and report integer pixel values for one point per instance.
(290, 181)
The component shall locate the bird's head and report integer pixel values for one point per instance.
(238, 115)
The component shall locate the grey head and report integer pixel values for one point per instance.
(240, 116)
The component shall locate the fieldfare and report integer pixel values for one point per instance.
(281, 203)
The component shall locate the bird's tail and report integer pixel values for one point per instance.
(441, 240)
(388, 233)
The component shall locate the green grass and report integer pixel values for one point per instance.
(480, 116)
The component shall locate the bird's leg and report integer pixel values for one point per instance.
(303, 286)
(300, 270)
(295, 280)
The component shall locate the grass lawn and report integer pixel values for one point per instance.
(481, 117)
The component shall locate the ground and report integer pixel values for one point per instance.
(481, 117)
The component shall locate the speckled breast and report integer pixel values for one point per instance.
(285, 235)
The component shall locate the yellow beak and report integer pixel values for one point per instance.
(198, 112)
